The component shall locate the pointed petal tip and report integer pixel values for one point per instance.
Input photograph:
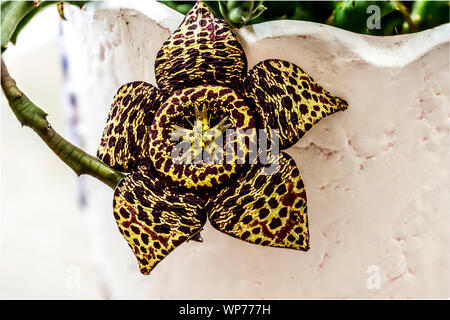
(285, 98)
(153, 219)
(203, 50)
(144, 270)
(264, 209)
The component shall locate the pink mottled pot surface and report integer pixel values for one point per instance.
(377, 175)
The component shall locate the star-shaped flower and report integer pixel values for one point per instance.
(201, 72)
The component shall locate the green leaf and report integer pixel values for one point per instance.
(12, 12)
(430, 14)
(391, 24)
(278, 9)
(27, 18)
(352, 15)
(214, 6)
(16, 15)
(180, 6)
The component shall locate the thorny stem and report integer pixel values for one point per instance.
(32, 116)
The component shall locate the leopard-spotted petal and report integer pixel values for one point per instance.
(124, 139)
(264, 207)
(219, 103)
(203, 50)
(153, 219)
(287, 99)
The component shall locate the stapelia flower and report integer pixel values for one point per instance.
(201, 72)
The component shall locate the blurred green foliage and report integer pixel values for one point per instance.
(240, 13)
(395, 17)
(353, 15)
(429, 14)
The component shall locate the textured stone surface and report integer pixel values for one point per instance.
(376, 175)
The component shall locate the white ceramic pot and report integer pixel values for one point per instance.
(376, 175)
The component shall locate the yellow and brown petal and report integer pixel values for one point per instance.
(203, 50)
(264, 207)
(179, 110)
(201, 73)
(125, 137)
(153, 219)
(287, 99)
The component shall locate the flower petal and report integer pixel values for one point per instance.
(266, 209)
(124, 139)
(153, 219)
(287, 99)
(219, 103)
(202, 50)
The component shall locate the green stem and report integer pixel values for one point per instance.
(32, 116)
